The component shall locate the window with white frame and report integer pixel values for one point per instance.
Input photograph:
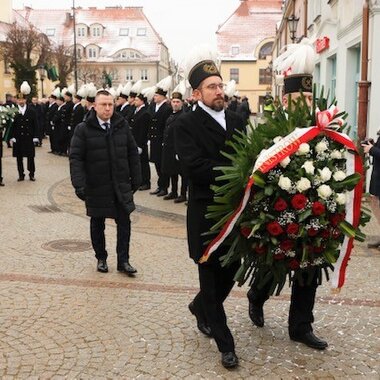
(129, 74)
(331, 65)
(96, 31)
(235, 50)
(123, 31)
(234, 75)
(141, 32)
(81, 31)
(92, 52)
(144, 74)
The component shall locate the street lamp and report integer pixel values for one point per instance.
(41, 72)
(292, 23)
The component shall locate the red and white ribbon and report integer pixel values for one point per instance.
(271, 157)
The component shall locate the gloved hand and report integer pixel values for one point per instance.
(176, 157)
(12, 141)
(79, 192)
(139, 150)
(36, 140)
(69, 128)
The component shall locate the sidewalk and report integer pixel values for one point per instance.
(60, 319)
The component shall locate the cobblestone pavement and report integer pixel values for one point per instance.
(60, 319)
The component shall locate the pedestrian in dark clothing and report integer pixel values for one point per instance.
(77, 115)
(243, 108)
(50, 115)
(23, 137)
(1, 156)
(170, 161)
(200, 136)
(139, 123)
(105, 172)
(38, 109)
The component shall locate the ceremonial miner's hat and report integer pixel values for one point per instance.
(164, 85)
(202, 62)
(91, 92)
(147, 93)
(136, 89)
(180, 90)
(24, 90)
(297, 65)
(124, 93)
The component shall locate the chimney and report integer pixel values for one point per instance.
(68, 19)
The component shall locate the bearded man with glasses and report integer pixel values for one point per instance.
(200, 136)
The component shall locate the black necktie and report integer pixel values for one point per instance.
(107, 126)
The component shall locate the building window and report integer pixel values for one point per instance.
(79, 52)
(265, 76)
(141, 31)
(331, 63)
(317, 78)
(265, 50)
(92, 52)
(96, 31)
(50, 32)
(144, 74)
(235, 50)
(123, 31)
(81, 31)
(234, 75)
(129, 74)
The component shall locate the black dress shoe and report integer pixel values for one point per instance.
(126, 268)
(155, 192)
(201, 323)
(144, 187)
(2, 183)
(31, 177)
(170, 196)
(229, 359)
(102, 266)
(21, 178)
(310, 340)
(161, 193)
(180, 199)
(256, 313)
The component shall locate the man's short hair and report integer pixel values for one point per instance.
(103, 92)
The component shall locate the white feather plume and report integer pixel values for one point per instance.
(119, 89)
(181, 87)
(230, 88)
(82, 92)
(126, 89)
(136, 88)
(57, 92)
(64, 90)
(166, 83)
(71, 89)
(149, 92)
(112, 91)
(298, 58)
(25, 88)
(91, 90)
(200, 53)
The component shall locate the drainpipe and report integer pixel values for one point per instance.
(364, 83)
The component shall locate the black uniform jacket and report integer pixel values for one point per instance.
(77, 115)
(170, 165)
(24, 129)
(199, 140)
(156, 132)
(139, 124)
(105, 164)
(50, 113)
(374, 187)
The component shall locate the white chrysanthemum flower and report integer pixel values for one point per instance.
(336, 154)
(285, 183)
(341, 198)
(303, 149)
(324, 191)
(277, 139)
(339, 175)
(321, 147)
(303, 184)
(285, 162)
(309, 167)
(325, 174)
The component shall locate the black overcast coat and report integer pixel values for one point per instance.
(105, 164)
(374, 187)
(199, 140)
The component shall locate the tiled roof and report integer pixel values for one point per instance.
(111, 18)
(251, 23)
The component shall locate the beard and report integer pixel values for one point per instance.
(217, 105)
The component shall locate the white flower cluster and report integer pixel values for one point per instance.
(314, 223)
(286, 217)
(290, 253)
(318, 261)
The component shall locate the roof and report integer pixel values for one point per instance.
(111, 18)
(253, 22)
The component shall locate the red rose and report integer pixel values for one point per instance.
(292, 228)
(280, 205)
(287, 245)
(299, 201)
(274, 228)
(279, 256)
(318, 208)
(325, 234)
(335, 219)
(312, 231)
(294, 264)
(336, 233)
(318, 249)
(245, 231)
(260, 250)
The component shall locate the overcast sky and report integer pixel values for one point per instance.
(181, 23)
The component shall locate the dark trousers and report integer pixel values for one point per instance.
(1, 166)
(98, 240)
(301, 304)
(145, 168)
(163, 180)
(30, 166)
(216, 283)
